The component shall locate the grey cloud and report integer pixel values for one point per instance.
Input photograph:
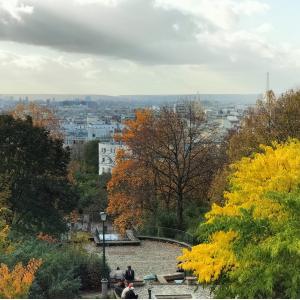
(135, 30)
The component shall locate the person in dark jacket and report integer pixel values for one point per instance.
(129, 274)
(119, 288)
(131, 294)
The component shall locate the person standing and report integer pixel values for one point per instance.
(129, 274)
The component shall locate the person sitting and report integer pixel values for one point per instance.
(131, 294)
(129, 274)
(119, 288)
(119, 274)
(179, 267)
(128, 292)
(126, 289)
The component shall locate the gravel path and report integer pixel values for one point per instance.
(150, 257)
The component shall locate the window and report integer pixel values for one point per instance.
(103, 159)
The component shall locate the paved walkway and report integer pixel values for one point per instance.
(151, 257)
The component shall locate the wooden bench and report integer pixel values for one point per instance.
(161, 279)
(174, 276)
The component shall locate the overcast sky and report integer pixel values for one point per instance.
(148, 46)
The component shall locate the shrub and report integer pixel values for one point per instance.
(91, 273)
(65, 271)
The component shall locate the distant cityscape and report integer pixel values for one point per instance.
(87, 118)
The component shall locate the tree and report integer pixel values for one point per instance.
(272, 119)
(130, 192)
(92, 191)
(176, 153)
(91, 156)
(17, 282)
(249, 247)
(83, 174)
(35, 166)
(41, 117)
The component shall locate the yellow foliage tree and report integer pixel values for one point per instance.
(276, 169)
(208, 260)
(16, 283)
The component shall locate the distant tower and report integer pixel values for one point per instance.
(269, 96)
(268, 82)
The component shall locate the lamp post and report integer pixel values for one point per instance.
(104, 281)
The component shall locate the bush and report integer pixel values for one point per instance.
(65, 270)
(167, 219)
(92, 272)
(80, 237)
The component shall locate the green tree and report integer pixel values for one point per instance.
(35, 166)
(92, 191)
(90, 156)
(83, 173)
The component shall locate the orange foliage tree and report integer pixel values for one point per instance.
(16, 283)
(169, 160)
(46, 237)
(41, 117)
(128, 189)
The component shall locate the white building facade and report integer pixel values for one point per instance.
(107, 156)
(99, 131)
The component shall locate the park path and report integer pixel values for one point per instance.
(151, 257)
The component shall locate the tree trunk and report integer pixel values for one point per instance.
(180, 210)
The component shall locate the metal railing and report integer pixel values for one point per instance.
(165, 232)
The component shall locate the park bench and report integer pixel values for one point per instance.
(164, 279)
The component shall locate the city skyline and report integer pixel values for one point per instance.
(127, 47)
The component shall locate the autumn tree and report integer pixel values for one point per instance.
(272, 119)
(250, 246)
(177, 154)
(41, 117)
(17, 282)
(131, 192)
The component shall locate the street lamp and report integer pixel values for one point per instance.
(103, 217)
(104, 282)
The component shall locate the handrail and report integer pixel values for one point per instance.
(166, 232)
